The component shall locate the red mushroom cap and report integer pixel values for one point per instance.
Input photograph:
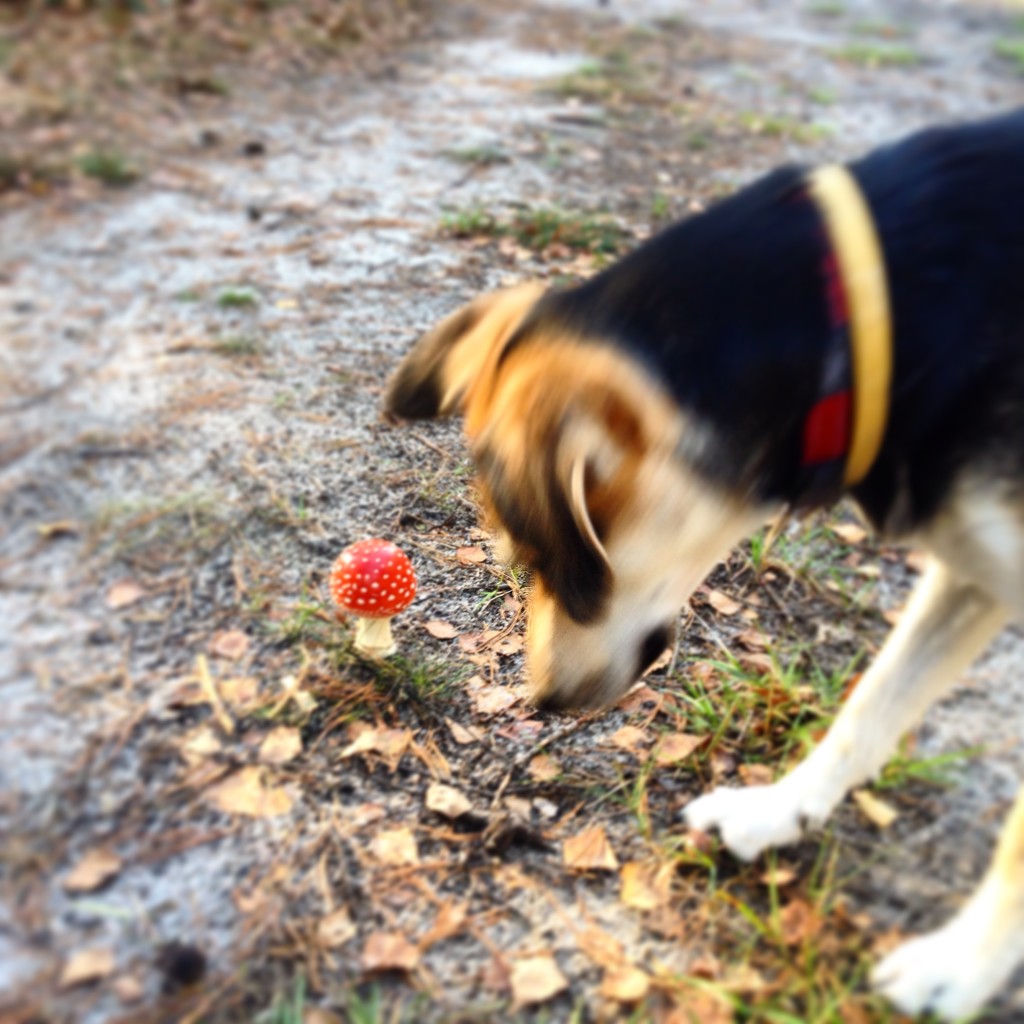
(373, 579)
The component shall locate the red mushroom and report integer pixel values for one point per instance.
(374, 580)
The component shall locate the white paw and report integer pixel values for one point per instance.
(954, 971)
(752, 819)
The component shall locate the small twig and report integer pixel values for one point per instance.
(210, 689)
(527, 756)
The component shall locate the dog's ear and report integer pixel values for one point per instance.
(437, 376)
(557, 486)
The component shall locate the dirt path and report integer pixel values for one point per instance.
(188, 435)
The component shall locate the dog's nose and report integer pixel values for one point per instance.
(654, 643)
(584, 693)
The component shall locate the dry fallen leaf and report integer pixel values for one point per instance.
(335, 929)
(319, 1015)
(85, 966)
(630, 738)
(363, 815)
(536, 979)
(470, 643)
(509, 645)
(493, 700)
(124, 593)
(396, 846)
(471, 555)
(229, 644)
(676, 747)
(626, 984)
(744, 979)
(450, 920)
(642, 698)
(391, 744)
(589, 850)
(645, 886)
(544, 768)
(849, 533)
(854, 1013)
(245, 793)
(441, 630)
(128, 989)
(722, 603)
(447, 800)
(604, 949)
(389, 951)
(464, 734)
(692, 1005)
(779, 876)
(798, 922)
(753, 639)
(94, 870)
(893, 615)
(756, 774)
(281, 745)
(876, 810)
(756, 661)
(239, 691)
(198, 745)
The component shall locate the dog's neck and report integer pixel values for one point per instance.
(730, 312)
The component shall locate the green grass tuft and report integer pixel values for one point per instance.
(239, 345)
(471, 222)
(237, 298)
(869, 55)
(539, 228)
(1011, 50)
(479, 156)
(109, 166)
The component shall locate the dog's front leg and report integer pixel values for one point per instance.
(947, 623)
(954, 971)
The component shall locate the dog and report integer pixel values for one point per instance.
(851, 330)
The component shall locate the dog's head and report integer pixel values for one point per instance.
(579, 453)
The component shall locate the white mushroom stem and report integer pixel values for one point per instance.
(373, 637)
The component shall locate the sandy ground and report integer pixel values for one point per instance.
(176, 466)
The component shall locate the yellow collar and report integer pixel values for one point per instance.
(861, 265)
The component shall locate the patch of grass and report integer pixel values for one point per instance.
(154, 532)
(471, 222)
(824, 97)
(365, 1008)
(237, 298)
(827, 9)
(479, 156)
(698, 141)
(612, 75)
(661, 207)
(880, 29)
(782, 127)
(110, 166)
(1011, 50)
(425, 679)
(543, 226)
(540, 227)
(239, 345)
(869, 55)
(189, 295)
(937, 771)
(287, 1008)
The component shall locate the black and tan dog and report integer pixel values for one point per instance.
(854, 330)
